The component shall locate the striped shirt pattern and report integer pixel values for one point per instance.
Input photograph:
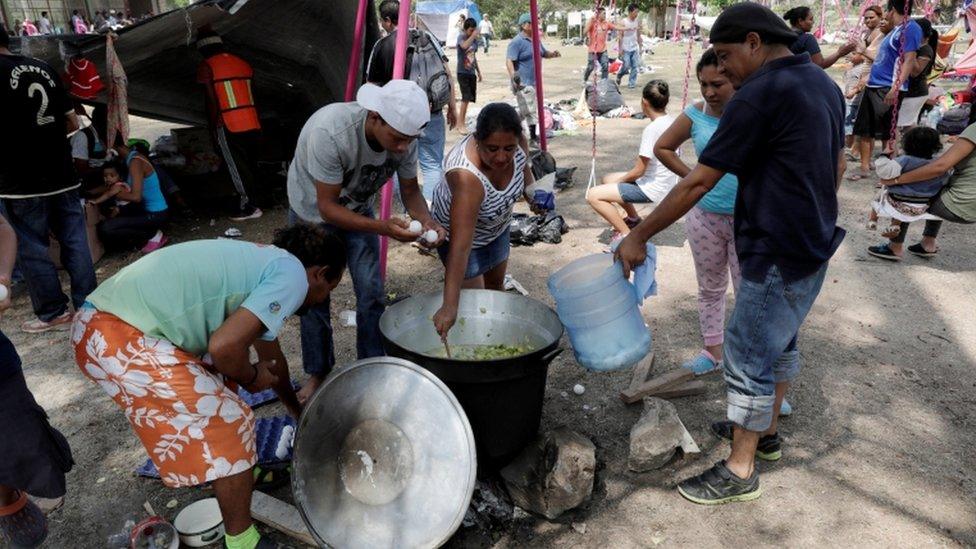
(496, 208)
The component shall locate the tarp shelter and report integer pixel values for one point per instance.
(966, 65)
(299, 50)
(440, 17)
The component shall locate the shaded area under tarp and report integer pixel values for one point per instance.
(299, 50)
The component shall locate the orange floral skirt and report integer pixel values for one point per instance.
(194, 427)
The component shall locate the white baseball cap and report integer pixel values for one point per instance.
(401, 103)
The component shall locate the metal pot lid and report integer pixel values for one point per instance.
(384, 456)
(198, 517)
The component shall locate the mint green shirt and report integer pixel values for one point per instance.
(183, 293)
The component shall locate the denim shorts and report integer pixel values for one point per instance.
(483, 259)
(632, 194)
(760, 342)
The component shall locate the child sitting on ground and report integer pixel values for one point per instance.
(113, 185)
(920, 145)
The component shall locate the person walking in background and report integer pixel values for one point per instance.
(38, 186)
(233, 119)
(44, 25)
(468, 71)
(521, 71)
(487, 32)
(439, 87)
(597, 29)
(630, 43)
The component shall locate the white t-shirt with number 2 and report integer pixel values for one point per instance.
(657, 180)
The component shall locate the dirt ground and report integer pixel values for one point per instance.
(879, 451)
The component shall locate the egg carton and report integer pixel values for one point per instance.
(268, 433)
(267, 396)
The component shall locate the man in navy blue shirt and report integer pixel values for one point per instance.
(783, 136)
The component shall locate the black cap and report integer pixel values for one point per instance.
(738, 20)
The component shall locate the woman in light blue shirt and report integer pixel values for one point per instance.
(709, 224)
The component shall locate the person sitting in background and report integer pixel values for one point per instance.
(920, 144)
(801, 20)
(649, 180)
(139, 222)
(112, 184)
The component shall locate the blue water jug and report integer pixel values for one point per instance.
(599, 309)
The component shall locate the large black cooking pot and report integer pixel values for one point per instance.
(502, 397)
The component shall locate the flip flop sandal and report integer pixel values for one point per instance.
(883, 251)
(270, 477)
(22, 524)
(918, 250)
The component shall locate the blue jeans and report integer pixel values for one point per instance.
(630, 60)
(33, 219)
(430, 153)
(600, 58)
(760, 343)
(363, 256)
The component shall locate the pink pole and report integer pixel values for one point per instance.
(537, 60)
(357, 51)
(399, 67)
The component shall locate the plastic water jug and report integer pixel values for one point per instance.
(598, 307)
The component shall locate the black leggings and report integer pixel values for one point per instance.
(130, 229)
(932, 226)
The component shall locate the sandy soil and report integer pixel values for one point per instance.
(877, 453)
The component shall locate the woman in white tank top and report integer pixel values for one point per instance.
(484, 175)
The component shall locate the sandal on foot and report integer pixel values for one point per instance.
(856, 174)
(918, 250)
(883, 251)
(703, 363)
(22, 524)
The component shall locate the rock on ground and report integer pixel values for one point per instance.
(553, 475)
(655, 436)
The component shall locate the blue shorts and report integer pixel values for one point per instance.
(483, 259)
(632, 194)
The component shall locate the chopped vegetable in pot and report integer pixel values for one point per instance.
(480, 352)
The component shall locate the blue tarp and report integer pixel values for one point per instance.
(440, 16)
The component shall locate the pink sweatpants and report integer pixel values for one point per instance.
(712, 241)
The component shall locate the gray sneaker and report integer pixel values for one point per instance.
(720, 485)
